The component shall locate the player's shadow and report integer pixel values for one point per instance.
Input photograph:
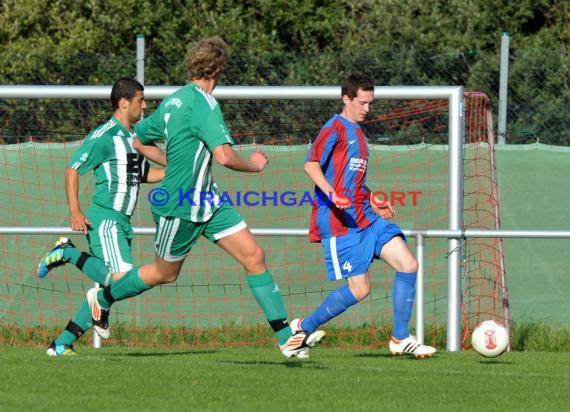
(495, 362)
(388, 355)
(173, 353)
(290, 363)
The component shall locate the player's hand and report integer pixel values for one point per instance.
(341, 201)
(79, 222)
(259, 159)
(385, 211)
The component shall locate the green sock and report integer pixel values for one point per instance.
(129, 285)
(66, 338)
(71, 254)
(77, 326)
(93, 267)
(268, 297)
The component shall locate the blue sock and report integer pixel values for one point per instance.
(403, 301)
(334, 304)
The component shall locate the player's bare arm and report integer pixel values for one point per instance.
(228, 157)
(77, 220)
(151, 151)
(313, 169)
(155, 175)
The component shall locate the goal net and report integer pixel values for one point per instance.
(210, 304)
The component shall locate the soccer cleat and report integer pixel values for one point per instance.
(54, 257)
(313, 339)
(410, 346)
(299, 344)
(99, 315)
(295, 325)
(60, 350)
(101, 326)
(304, 354)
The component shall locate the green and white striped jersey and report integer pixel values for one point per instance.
(119, 169)
(192, 125)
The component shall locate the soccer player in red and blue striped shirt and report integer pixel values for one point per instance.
(352, 229)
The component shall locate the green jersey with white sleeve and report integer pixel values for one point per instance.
(192, 125)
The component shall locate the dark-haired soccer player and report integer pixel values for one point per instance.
(352, 230)
(110, 151)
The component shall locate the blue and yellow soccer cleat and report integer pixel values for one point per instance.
(54, 257)
(60, 350)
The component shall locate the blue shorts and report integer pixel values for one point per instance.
(352, 254)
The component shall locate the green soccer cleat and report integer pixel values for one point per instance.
(54, 257)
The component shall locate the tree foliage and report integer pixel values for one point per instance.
(297, 42)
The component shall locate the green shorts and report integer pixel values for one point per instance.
(175, 237)
(110, 240)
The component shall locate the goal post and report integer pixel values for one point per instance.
(447, 116)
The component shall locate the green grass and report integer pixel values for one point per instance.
(260, 379)
(526, 335)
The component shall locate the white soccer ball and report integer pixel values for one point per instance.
(490, 338)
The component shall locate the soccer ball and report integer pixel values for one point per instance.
(490, 338)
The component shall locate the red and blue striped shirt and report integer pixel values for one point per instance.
(341, 149)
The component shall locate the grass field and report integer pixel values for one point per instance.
(260, 379)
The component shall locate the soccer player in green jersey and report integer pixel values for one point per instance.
(115, 156)
(194, 131)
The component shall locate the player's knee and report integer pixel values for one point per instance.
(154, 275)
(253, 260)
(167, 276)
(411, 265)
(360, 292)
